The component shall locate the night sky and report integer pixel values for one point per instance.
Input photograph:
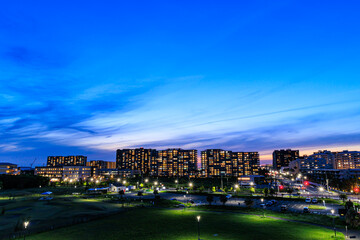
(89, 77)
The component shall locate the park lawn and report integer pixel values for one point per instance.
(43, 213)
(316, 207)
(180, 224)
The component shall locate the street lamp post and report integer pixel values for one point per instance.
(332, 212)
(198, 221)
(26, 224)
(262, 201)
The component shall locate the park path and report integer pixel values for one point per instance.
(354, 234)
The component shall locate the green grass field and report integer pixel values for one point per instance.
(316, 207)
(43, 213)
(179, 224)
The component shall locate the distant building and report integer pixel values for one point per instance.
(175, 163)
(347, 160)
(57, 161)
(218, 162)
(116, 173)
(101, 164)
(8, 168)
(282, 158)
(327, 155)
(54, 173)
(311, 163)
(170, 162)
(135, 159)
(73, 173)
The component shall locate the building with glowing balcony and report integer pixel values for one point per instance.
(282, 158)
(8, 168)
(135, 159)
(218, 162)
(175, 163)
(58, 161)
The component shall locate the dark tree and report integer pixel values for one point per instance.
(249, 202)
(343, 197)
(223, 199)
(266, 192)
(210, 199)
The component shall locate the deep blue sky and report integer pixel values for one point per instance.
(88, 77)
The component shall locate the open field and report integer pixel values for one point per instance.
(179, 224)
(63, 209)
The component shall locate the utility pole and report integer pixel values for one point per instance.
(222, 187)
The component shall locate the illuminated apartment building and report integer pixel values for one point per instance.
(54, 173)
(135, 159)
(57, 161)
(282, 158)
(73, 173)
(218, 162)
(8, 168)
(100, 164)
(175, 163)
(347, 160)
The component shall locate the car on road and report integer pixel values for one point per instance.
(306, 210)
(173, 199)
(269, 203)
(314, 200)
(308, 200)
(228, 196)
(284, 208)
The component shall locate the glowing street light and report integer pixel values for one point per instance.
(146, 180)
(26, 224)
(124, 182)
(190, 184)
(118, 179)
(198, 221)
(332, 212)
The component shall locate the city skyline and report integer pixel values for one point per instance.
(236, 76)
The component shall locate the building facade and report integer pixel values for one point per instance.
(175, 163)
(54, 173)
(347, 160)
(101, 164)
(57, 161)
(73, 173)
(218, 162)
(8, 168)
(282, 158)
(135, 159)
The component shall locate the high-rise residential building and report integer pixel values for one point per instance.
(327, 155)
(135, 159)
(282, 158)
(57, 161)
(175, 163)
(218, 162)
(347, 160)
